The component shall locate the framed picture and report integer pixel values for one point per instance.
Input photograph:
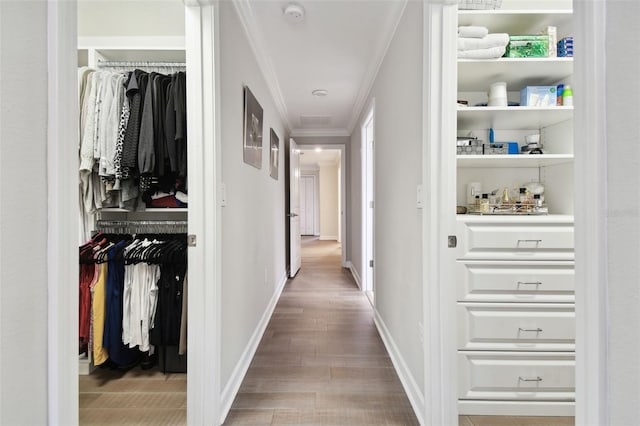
(252, 143)
(274, 154)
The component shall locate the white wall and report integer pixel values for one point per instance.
(23, 213)
(329, 192)
(253, 222)
(398, 167)
(623, 224)
(130, 18)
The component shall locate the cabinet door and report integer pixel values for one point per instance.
(516, 376)
(516, 241)
(510, 281)
(506, 326)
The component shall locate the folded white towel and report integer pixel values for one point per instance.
(492, 53)
(472, 31)
(486, 42)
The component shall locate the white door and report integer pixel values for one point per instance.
(307, 205)
(294, 207)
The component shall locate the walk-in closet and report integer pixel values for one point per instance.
(133, 204)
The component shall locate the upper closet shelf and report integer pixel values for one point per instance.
(160, 49)
(475, 75)
(518, 22)
(511, 118)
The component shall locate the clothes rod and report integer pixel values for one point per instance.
(141, 226)
(141, 64)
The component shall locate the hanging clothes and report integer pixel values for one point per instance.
(132, 141)
(131, 297)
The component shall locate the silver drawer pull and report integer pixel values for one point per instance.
(529, 379)
(531, 330)
(536, 283)
(529, 241)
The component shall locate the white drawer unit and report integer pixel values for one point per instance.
(506, 326)
(511, 281)
(516, 241)
(516, 376)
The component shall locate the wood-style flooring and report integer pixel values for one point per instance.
(320, 362)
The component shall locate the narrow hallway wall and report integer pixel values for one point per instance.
(253, 221)
(398, 170)
(23, 213)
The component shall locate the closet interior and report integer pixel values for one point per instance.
(133, 186)
(514, 267)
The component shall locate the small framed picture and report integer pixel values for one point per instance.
(274, 155)
(252, 144)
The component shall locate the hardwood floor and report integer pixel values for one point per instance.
(321, 360)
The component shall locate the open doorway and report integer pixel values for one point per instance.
(321, 193)
(368, 204)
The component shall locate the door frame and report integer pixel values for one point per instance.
(368, 224)
(203, 386)
(343, 190)
(440, 369)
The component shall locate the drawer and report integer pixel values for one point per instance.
(520, 327)
(516, 376)
(516, 241)
(533, 281)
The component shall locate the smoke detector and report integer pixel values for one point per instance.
(294, 12)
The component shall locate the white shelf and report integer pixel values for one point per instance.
(477, 74)
(514, 219)
(149, 210)
(512, 118)
(514, 160)
(519, 22)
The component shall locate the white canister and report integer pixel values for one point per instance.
(473, 189)
(498, 94)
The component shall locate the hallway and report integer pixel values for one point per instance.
(321, 360)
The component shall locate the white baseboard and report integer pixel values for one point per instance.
(414, 393)
(328, 238)
(232, 387)
(354, 273)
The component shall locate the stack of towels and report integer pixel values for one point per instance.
(476, 43)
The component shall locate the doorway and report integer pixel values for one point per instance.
(322, 194)
(368, 204)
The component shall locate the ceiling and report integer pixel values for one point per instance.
(338, 46)
(313, 159)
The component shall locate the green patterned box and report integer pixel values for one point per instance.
(528, 46)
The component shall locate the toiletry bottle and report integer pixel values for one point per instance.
(567, 96)
(537, 200)
(505, 196)
(559, 93)
(484, 204)
(523, 195)
(477, 203)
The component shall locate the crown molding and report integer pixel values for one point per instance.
(376, 63)
(319, 132)
(198, 2)
(250, 25)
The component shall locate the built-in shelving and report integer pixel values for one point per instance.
(519, 160)
(516, 72)
(512, 118)
(518, 21)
